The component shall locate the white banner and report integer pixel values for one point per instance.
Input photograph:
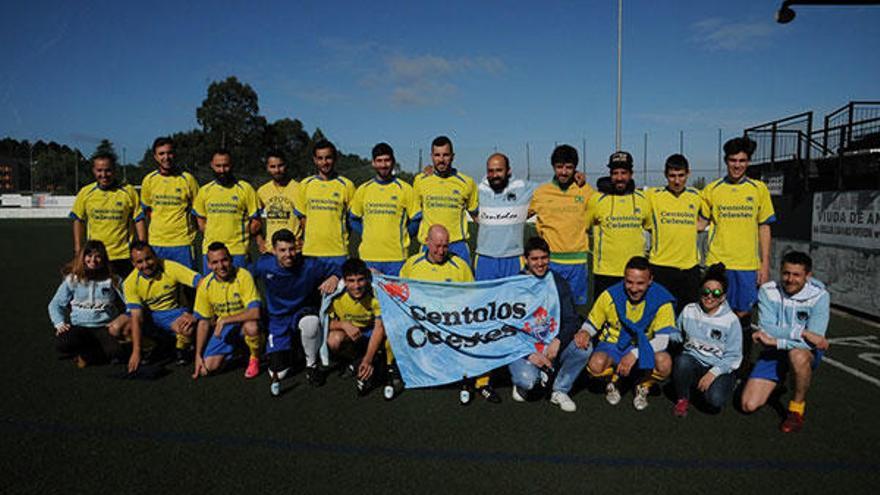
(847, 219)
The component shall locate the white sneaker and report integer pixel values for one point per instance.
(514, 394)
(612, 395)
(640, 401)
(564, 402)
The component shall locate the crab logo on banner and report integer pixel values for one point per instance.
(441, 332)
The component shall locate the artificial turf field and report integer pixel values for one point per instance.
(66, 430)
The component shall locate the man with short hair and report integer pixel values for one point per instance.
(277, 198)
(105, 210)
(168, 194)
(618, 219)
(445, 197)
(153, 289)
(322, 205)
(675, 220)
(292, 284)
(561, 210)
(793, 318)
(227, 211)
(227, 306)
(381, 211)
(569, 350)
(438, 264)
(741, 212)
(634, 319)
(504, 207)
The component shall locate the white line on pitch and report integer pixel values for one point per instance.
(852, 371)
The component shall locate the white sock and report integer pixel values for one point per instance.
(310, 334)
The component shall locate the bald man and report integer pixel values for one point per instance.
(504, 208)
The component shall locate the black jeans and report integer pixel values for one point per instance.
(94, 344)
(688, 371)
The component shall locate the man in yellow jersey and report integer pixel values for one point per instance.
(439, 264)
(105, 210)
(168, 194)
(227, 306)
(445, 197)
(277, 199)
(381, 211)
(634, 319)
(153, 290)
(618, 218)
(227, 211)
(740, 211)
(355, 330)
(322, 204)
(675, 220)
(561, 210)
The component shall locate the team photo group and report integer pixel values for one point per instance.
(607, 287)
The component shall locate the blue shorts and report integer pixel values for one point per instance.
(185, 255)
(489, 268)
(238, 261)
(458, 248)
(773, 365)
(224, 345)
(386, 267)
(162, 320)
(616, 353)
(742, 289)
(282, 329)
(576, 276)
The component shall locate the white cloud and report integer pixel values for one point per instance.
(430, 79)
(718, 34)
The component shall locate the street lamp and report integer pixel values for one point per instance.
(785, 15)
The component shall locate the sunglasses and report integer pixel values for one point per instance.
(716, 293)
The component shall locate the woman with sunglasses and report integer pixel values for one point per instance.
(712, 346)
(87, 308)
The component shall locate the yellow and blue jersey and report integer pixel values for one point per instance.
(159, 292)
(170, 199)
(216, 298)
(384, 209)
(108, 214)
(674, 227)
(618, 222)
(603, 317)
(361, 313)
(446, 201)
(278, 205)
(324, 203)
(227, 212)
(453, 269)
(562, 220)
(736, 210)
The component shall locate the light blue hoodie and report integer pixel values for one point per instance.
(92, 303)
(785, 317)
(714, 340)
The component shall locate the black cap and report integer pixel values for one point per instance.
(620, 159)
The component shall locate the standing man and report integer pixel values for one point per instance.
(322, 205)
(741, 212)
(168, 194)
(569, 350)
(381, 212)
(675, 220)
(504, 208)
(227, 211)
(793, 318)
(106, 210)
(618, 219)
(439, 264)
(561, 209)
(277, 199)
(446, 197)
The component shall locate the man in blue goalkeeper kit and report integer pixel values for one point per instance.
(793, 318)
(292, 284)
(569, 350)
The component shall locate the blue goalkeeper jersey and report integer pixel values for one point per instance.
(287, 290)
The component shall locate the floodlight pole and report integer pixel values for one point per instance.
(619, 69)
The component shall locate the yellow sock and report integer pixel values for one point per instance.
(389, 354)
(606, 372)
(614, 378)
(797, 407)
(482, 381)
(650, 381)
(182, 342)
(253, 344)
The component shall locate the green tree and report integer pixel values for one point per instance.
(105, 146)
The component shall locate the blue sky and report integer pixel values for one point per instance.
(491, 75)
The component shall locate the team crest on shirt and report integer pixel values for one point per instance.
(749, 199)
(511, 196)
(176, 189)
(691, 206)
(335, 194)
(637, 210)
(119, 203)
(803, 316)
(578, 199)
(235, 198)
(715, 334)
(393, 198)
(456, 191)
